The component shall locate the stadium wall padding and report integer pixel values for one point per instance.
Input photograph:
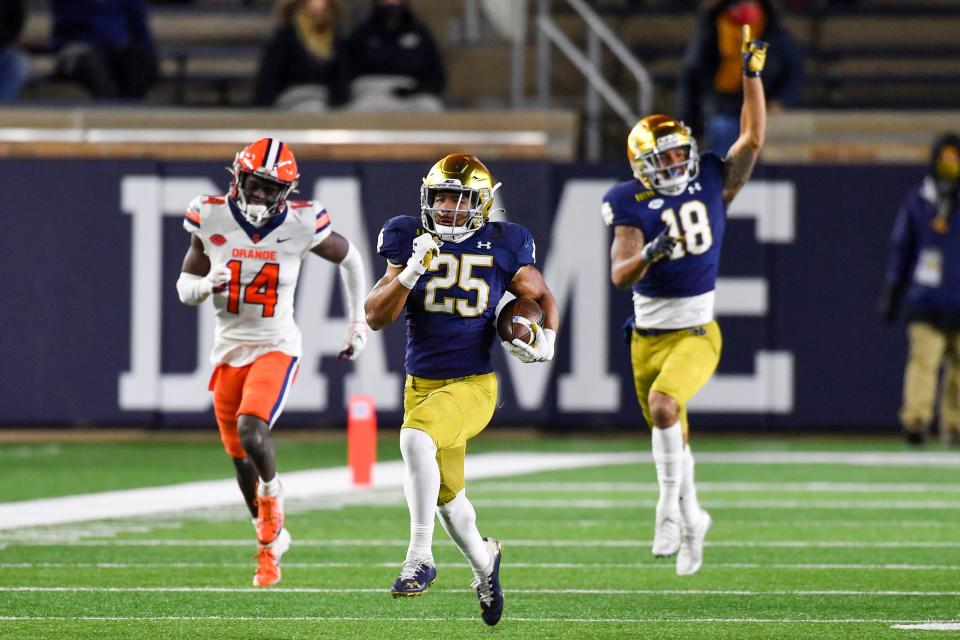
(96, 335)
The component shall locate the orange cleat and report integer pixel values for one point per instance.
(269, 518)
(268, 560)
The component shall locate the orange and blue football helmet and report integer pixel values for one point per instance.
(470, 179)
(264, 175)
(647, 149)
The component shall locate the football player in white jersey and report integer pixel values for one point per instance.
(245, 253)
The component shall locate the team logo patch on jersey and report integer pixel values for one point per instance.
(218, 239)
(655, 204)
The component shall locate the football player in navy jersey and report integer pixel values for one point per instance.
(668, 227)
(448, 270)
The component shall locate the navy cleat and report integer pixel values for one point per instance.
(415, 577)
(489, 590)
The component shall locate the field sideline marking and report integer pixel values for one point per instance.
(510, 619)
(337, 481)
(775, 544)
(463, 565)
(536, 486)
(929, 626)
(334, 481)
(605, 592)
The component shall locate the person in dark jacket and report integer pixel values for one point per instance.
(303, 60)
(392, 42)
(923, 277)
(709, 93)
(105, 45)
(14, 64)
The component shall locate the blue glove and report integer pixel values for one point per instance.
(659, 248)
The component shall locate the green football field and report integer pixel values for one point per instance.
(812, 538)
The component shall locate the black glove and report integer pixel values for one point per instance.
(889, 306)
(659, 248)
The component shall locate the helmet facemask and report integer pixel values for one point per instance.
(260, 196)
(667, 175)
(452, 223)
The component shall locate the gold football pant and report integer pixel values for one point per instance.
(929, 348)
(451, 412)
(676, 364)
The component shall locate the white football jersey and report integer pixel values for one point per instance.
(255, 310)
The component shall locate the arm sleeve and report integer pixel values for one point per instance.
(903, 246)
(355, 285)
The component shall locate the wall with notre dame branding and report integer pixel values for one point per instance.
(94, 332)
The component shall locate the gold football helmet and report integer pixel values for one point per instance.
(651, 149)
(470, 180)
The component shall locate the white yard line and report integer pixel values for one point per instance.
(929, 626)
(296, 485)
(336, 482)
(650, 620)
(462, 565)
(535, 486)
(605, 592)
(746, 544)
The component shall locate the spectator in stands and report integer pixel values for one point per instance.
(105, 45)
(924, 267)
(394, 61)
(709, 93)
(14, 64)
(302, 65)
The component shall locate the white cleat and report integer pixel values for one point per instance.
(690, 557)
(666, 535)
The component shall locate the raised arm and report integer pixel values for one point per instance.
(753, 120)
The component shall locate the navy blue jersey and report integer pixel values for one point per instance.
(697, 216)
(924, 261)
(451, 312)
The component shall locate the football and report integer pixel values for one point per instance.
(516, 317)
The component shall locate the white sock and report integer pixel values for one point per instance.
(269, 489)
(667, 447)
(689, 504)
(459, 519)
(421, 486)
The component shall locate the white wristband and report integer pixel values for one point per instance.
(408, 277)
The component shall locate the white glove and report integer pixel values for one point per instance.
(195, 289)
(425, 249)
(355, 340)
(540, 350)
(217, 279)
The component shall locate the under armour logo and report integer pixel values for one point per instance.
(694, 188)
(483, 245)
